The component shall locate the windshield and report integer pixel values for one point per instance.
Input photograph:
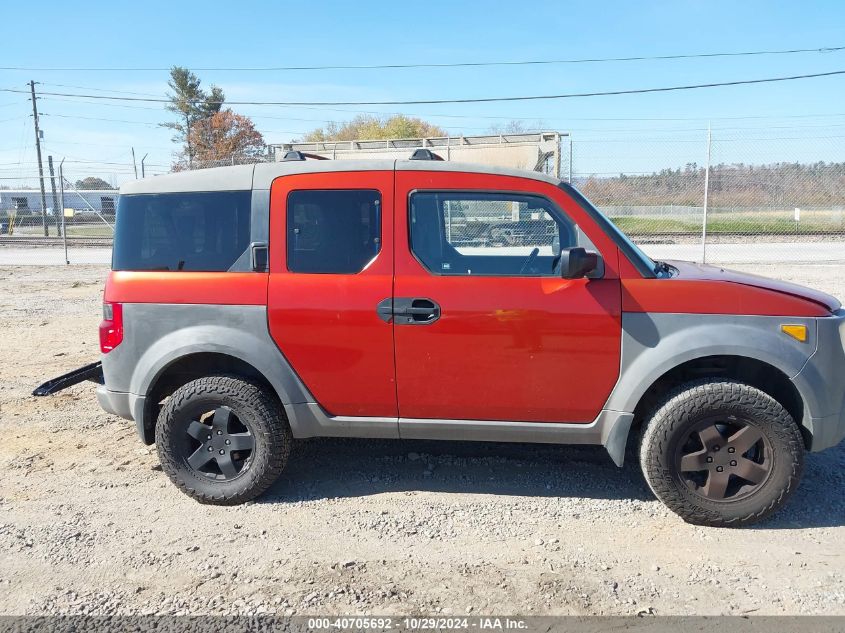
(644, 264)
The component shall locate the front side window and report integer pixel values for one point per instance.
(487, 233)
(333, 231)
(193, 231)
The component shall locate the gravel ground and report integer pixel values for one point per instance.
(89, 523)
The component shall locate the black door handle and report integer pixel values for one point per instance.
(408, 311)
(417, 311)
(428, 311)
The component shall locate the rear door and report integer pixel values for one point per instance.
(331, 264)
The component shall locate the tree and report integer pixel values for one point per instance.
(191, 103)
(224, 136)
(92, 182)
(367, 126)
(517, 126)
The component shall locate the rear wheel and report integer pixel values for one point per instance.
(222, 440)
(721, 453)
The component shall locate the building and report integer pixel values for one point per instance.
(25, 202)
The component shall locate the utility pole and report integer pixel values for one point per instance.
(40, 165)
(56, 210)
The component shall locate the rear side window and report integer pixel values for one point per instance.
(333, 231)
(197, 231)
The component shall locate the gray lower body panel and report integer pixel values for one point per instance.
(115, 402)
(826, 432)
(310, 420)
(609, 429)
(655, 343)
(126, 405)
(821, 383)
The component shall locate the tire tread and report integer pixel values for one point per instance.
(270, 418)
(685, 400)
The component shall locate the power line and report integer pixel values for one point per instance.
(469, 116)
(98, 103)
(647, 130)
(455, 116)
(104, 145)
(124, 92)
(93, 118)
(572, 95)
(542, 119)
(530, 62)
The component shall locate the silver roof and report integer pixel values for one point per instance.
(262, 175)
(235, 178)
(474, 168)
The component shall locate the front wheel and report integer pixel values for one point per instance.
(721, 453)
(222, 440)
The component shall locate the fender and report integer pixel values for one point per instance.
(168, 332)
(654, 343)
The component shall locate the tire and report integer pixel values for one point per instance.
(222, 440)
(700, 457)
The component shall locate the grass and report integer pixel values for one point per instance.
(89, 230)
(764, 223)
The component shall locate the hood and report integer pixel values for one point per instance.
(693, 271)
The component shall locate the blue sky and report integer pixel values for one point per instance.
(608, 135)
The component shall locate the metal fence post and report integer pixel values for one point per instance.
(62, 205)
(53, 187)
(570, 159)
(706, 197)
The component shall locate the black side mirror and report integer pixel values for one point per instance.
(577, 262)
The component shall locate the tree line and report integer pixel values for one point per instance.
(208, 132)
(781, 185)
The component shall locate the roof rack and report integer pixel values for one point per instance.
(425, 154)
(297, 155)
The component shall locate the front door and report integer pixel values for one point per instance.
(490, 330)
(331, 263)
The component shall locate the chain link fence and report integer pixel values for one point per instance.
(65, 223)
(725, 196)
(720, 196)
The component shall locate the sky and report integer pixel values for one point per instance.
(791, 121)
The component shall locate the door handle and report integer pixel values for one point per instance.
(408, 311)
(258, 259)
(416, 311)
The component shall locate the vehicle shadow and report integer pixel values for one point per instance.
(819, 500)
(331, 468)
(327, 468)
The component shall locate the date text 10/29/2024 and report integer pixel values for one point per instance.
(417, 623)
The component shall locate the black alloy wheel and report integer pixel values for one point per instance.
(220, 444)
(222, 439)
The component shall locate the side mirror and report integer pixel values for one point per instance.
(577, 262)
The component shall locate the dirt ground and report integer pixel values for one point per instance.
(90, 524)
